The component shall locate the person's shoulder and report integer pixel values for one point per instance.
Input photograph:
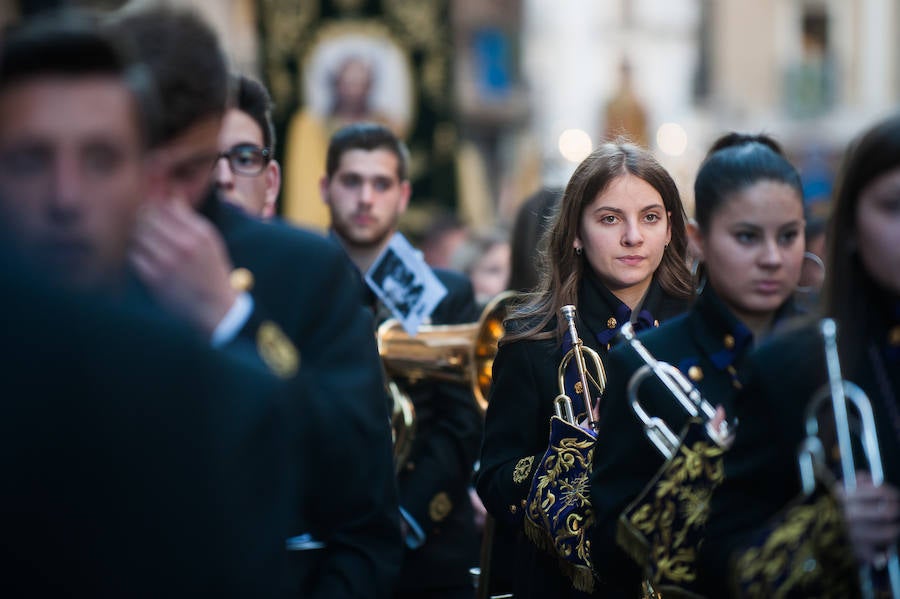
(671, 306)
(458, 305)
(669, 331)
(665, 342)
(795, 344)
(541, 339)
(280, 237)
(452, 279)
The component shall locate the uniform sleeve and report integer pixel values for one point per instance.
(258, 339)
(515, 434)
(444, 459)
(350, 496)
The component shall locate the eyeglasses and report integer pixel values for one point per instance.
(247, 159)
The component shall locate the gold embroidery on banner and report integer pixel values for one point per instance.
(660, 530)
(439, 507)
(805, 554)
(522, 470)
(276, 350)
(559, 511)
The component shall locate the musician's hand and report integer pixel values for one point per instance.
(719, 418)
(594, 418)
(182, 259)
(871, 514)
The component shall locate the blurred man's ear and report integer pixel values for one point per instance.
(323, 188)
(405, 192)
(695, 240)
(273, 186)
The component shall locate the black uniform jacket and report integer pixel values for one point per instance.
(434, 482)
(307, 286)
(761, 469)
(708, 345)
(517, 427)
(137, 461)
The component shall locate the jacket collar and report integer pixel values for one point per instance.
(607, 313)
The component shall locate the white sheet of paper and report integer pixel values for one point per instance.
(405, 283)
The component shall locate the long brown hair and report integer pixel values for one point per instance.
(562, 268)
(849, 291)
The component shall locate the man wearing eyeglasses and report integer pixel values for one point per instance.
(247, 173)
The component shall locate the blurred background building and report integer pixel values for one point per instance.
(498, 98)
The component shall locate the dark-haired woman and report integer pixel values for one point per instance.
(862, 294)
(748, 243)
(616, 251)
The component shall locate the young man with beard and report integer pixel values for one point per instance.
(366, 188)
(291, 288)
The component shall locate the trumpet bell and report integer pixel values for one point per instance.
(458, 353)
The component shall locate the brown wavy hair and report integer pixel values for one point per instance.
(562, 268)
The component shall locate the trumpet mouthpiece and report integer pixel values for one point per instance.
(568, 312)
(828, 327)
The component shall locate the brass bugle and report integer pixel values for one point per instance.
(457, 353)
(562, 404)
(839, 392)
(685, 393)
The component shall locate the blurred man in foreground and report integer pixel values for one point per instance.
(299, 292)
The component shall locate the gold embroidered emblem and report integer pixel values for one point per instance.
(439, 507)
(579, 387)
(894, 336)
(611, 323)
(728, 341)
(695, 373)
(241, 279)
(276, 350)
(523, 469)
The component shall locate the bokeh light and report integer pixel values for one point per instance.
(672, 139)
(575, 145)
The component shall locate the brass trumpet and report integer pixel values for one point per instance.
(688, 396)
(562, 404)
(839, 392)
(458, 353)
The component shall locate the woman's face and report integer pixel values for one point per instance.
(878, 230)
(624, 233)
(753, 249)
